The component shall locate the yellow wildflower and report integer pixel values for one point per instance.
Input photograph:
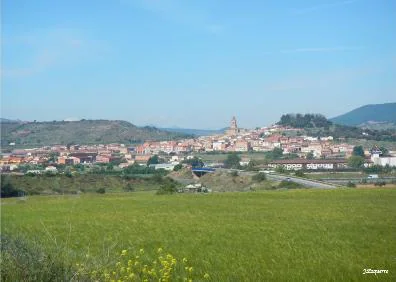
(206, 276)
(124, 252)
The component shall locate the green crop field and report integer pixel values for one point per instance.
(292, 235)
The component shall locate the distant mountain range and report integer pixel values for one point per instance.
(80, 132)
(377, 116)
(6, 120)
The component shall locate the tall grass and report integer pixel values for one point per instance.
(299, 235)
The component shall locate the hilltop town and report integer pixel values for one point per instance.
(295, 151)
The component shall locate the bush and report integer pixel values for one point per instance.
(351, 184)
(281, 169)
(178, 167)
(259, 177)
(8, 189)
(234, 173)
(380, 183)
(232, 161)
(129, 188)
(299, 173)
(101, 191)
(289, 185)
(168, 187)
(157, 179)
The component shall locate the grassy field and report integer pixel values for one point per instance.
(292, 235)
(338, 175)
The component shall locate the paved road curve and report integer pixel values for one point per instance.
(302, 181)
(278, 177)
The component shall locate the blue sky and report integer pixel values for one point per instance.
(195, 64)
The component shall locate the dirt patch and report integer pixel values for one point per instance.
(183, 176)
(225, 181)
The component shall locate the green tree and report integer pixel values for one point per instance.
(232, 161)
(310, 156)
(109, 167)
(276, 153)
(177, 167)
(194, 162)
(53, 157)
(358, 151)
(252, 165)
(7, 188)
(259, 177)
(356, 161)
(153, 160)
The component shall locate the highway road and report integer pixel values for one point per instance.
(279, 177)
(302, 181)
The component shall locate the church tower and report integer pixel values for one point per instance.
(233, 130)
(233, 123)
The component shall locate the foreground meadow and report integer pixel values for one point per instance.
(299, 235)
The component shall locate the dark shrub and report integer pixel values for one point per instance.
(7, 188)
(259, 177)
(129, 188)
(168, 187)
(289, 185)
(351, 184)
(101, 191)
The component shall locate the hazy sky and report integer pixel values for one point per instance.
(195, 64)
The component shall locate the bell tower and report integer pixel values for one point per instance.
(233, 130)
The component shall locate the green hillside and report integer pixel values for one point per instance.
(80, 132)
(368, 114)
(318, 125)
